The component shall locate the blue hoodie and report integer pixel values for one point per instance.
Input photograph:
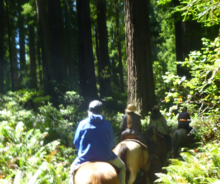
(94, 139)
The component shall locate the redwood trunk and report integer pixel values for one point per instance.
(55, 31)
(21, 42)
(118, 36)
(2, 46)
(32, 54)
(48, 65)
(139, 62)
(104, 61)
(188, 38)
(86, 62)
(10, 48)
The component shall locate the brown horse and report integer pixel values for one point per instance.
(135, 157)
(96, 173)
(179, 139)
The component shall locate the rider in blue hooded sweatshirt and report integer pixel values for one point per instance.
(94, 139)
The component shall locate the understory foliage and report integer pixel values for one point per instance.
(25, 158)
(200, 165)
(34, 135)
(201, 95)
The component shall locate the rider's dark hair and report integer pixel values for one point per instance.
(156, 114)
(184, 108)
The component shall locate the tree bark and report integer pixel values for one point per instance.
(48, 65)
(54, 17)
(10, 48)
(2, 22)
(188, 38)
(104, 61)
(86, 62)
(21, 42)
(32, 54)
(70, 48)
(39, 57)
(118, 36)
(139, 62)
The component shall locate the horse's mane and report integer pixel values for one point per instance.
(150, 132)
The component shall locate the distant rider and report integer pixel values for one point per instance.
(159, 121)
(184, 120)
(130, 126)
(94, 139)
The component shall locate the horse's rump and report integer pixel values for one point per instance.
(96, 173)
(179, 139)
(135, 156)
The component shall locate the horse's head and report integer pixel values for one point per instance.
(152, 134)
(155, 141)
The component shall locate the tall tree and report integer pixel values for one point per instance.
(41, 7)
(70, 44)
(139, 61)
(21, 41)
(12, 67)
(55, 33)
(32, 54)
(2, 46)
(86, 62)
(118, 36)
(104, 61)
(188, 38)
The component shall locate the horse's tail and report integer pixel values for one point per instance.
(122, 153)
(175, 144)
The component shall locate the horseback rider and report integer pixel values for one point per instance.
(130, 126)
(184, 120)
(94, 139)
(159, 121)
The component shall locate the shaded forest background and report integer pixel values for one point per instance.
(65, 45)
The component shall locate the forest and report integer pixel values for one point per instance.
(58, 55)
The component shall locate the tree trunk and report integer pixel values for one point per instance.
(54, 15)
(113, 59)
(86, 62)
(2, 22)
(10, 49)
(21, 42)
(39, 57)
(49, 76)
(32, 54)
(70, 48)
(118, 36)
(188, 38)
(103, 62)
(139, 62)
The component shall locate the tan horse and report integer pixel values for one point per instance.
(96, 173)
(135, 157)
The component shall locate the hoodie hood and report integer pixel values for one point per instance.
(96, 118)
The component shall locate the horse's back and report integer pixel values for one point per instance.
(96, 173)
